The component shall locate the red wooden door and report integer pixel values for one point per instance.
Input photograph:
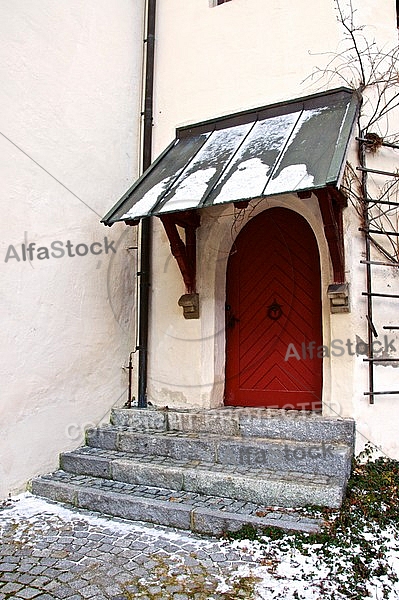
(273, 314)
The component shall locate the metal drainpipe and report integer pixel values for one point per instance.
(145, 238)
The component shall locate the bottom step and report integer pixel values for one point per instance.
(199, 513)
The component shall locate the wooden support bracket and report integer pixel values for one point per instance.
(331, 203)
(184, 251)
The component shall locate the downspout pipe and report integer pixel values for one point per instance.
(146, 231)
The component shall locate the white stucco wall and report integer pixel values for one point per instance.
(69, 117)
(215, 61)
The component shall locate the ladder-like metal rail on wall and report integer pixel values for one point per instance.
(370, 294)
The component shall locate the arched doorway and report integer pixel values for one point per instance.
(273, 314)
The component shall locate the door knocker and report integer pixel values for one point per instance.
(274, 311)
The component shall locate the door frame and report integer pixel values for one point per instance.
(216, 238)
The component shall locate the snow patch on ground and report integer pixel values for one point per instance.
(278, 570)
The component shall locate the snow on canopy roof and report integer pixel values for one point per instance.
(283, 148)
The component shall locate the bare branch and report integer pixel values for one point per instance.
(372, 72)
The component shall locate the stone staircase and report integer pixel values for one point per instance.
(209, 471)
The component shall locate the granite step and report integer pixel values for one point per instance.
(200, 513)
(208, 471)
(283, 455)
(282, 488)
(291, 425)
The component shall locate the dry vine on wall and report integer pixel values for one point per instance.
(372, 72)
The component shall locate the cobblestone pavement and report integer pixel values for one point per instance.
(48, 551)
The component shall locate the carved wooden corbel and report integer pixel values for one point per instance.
(331, 203)
(185, 253)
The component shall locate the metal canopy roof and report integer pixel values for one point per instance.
(290, 147)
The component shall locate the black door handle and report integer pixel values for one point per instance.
(232, 321)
